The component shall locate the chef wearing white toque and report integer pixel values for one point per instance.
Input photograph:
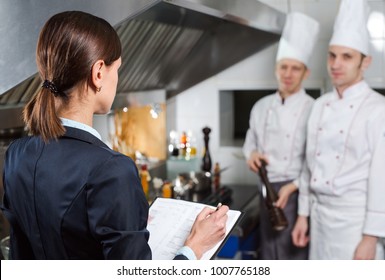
(343, 188)
(277, 132)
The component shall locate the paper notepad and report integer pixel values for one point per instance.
(170, 221)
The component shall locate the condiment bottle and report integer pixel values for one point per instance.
(183, 144)
(157, 183)
(167, 190)
(145, 177)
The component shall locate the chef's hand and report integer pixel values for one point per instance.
(208, 229)
(254, 161)
(284, 194)
(299, 233)
(366, 249)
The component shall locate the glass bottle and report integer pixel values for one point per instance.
(173, 147)
(145, 177)
(167, 190)
(193, 146)
(183, 144)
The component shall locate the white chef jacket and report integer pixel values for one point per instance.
(278, 130)
(343, 186)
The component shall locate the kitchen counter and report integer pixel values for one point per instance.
(246, 198)
(243, 241)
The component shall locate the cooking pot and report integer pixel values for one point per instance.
(199, 181)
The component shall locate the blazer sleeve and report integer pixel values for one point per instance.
(20, 248)
(118, 210)
(180, 257)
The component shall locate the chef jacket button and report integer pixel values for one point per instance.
(337, 157)
(288, 136)
(318, 154)
(320, 129)
(341, 131)
(285, 158)
(351, 106)
(328, 104)
(314, 180)
(327, 183)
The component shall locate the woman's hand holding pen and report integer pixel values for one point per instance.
(208, 229)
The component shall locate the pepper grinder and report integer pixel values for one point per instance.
(276, 215)
(206, 161)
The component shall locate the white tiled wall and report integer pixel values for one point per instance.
(199, 106)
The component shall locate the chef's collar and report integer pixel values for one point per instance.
(353, 91)
(289, 99)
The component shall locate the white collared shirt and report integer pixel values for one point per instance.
(82, 126)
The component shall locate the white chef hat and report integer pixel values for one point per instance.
(298, 38)
(350, 26)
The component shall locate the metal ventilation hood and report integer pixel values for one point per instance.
(170, 45)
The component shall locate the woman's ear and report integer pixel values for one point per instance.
(97, 74)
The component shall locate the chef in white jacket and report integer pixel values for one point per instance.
(277, 132)
(343, 190)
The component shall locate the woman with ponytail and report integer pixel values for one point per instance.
(67, 195)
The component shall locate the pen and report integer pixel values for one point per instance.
(216, 209)
(218, 206)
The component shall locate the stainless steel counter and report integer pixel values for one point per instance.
(246, 199)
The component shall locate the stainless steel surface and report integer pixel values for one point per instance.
(169, 44)
(176, 44)
(21, 21)
(11, 116)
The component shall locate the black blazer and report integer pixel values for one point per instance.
(74, 198)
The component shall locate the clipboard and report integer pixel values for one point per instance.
(170, 221)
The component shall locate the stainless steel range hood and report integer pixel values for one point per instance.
(169, 45)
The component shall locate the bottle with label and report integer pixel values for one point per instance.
(145, 178)
(183, 144)
(192, 145)
(167, 190)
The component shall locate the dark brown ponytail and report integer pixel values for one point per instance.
(40, 116)
(69, 44)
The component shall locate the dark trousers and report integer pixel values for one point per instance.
(279, 245)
